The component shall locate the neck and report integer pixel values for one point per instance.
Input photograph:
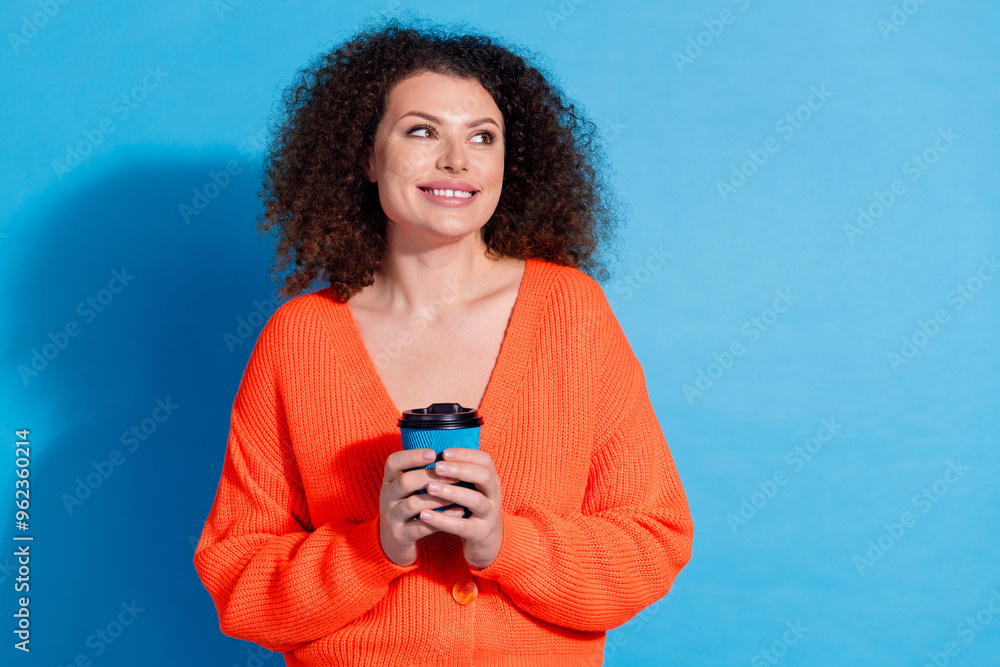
(413, 278)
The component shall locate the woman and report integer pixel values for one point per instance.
(448, 196)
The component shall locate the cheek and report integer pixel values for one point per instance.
(406, 163)
(491, 170)
(497, 175)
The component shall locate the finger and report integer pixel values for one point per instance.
(405, 509)
(412, 485)
(405, 460)
(477, 456)
(411, 506)
(474, 500)
(433, 476)
(411, 480)
(418, 479)
(485, 480)
(415, 528)
(445, 522)
(411, 527)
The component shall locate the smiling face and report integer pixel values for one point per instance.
(439, 134)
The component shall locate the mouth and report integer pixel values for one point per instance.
(448, 198)
(450, 194)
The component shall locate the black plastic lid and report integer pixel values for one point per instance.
(441, 415)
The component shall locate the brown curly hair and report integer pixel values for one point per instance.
(553, 204)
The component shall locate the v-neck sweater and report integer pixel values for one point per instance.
(596, 523)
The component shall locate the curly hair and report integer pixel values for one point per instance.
(553, 204)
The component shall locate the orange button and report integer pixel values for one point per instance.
(464, 591)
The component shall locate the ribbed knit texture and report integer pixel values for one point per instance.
(595, 525)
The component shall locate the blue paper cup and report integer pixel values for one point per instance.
(441, 426)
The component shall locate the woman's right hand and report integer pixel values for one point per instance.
(399, 525)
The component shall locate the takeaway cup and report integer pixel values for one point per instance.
(438, 427)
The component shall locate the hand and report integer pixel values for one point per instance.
(481, 533)
(397, 529)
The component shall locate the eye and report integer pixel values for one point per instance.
(419, 127)
(491, 136)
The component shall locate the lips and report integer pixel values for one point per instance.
(442, 198)
(447, 184)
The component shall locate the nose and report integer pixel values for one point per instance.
(452, 156)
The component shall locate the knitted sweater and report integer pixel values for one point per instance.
(595, 521)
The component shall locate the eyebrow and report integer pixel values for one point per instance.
(431, 118)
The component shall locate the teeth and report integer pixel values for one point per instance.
(460, 194)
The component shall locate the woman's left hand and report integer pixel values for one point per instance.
(481, 533)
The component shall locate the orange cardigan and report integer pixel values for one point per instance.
(595, 527)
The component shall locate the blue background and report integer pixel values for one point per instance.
(805, 553)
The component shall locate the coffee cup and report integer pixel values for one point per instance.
(441, 426)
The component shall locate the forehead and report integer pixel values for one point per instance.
(450, 98)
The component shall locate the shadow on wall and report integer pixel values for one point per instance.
(135, 324)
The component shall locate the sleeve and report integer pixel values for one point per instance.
(274, 579)
(596, 569)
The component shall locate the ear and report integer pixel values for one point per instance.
(368, 165)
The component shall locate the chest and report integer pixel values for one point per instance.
(427, 358)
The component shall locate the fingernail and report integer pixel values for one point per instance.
(426, 514)
(433, 487)
(442, 467)
(449, 454)
(427, 455)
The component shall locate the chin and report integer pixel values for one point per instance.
(453, 230)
